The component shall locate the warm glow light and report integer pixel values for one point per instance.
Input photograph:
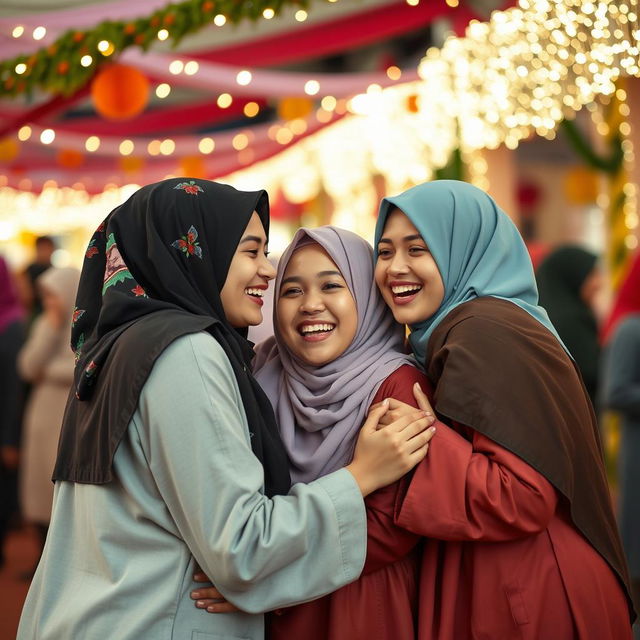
(21, 67)
(106, 48)
(167, 147)
(251, 109)
(284, 136)
(163, 34)
(126, 147)
(298, 126)
(191, 68)
(268, 13)
(413, 3)
(240, 141)
(243, 78)
(224, 100)
(47, 136)
(153, 148)
(24, 133)
(452, 3)
(86, 61)
(163, 90)
(176, 67)
(220, 20)
(39, 33)
(206, 145)
(17, 31)
(394, 73)
(301, 15)
(311, 87)
(92, 144)
(323, 116)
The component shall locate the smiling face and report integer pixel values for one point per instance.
(316, 313)
(406, 273)
(248, 277)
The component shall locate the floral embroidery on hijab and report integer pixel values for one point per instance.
(190, 187)
(188, 243)
(91, 249)
(116, 270)
(139, 291)
(77, 314)
(77, 349)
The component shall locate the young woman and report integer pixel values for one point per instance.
(168, 445)
(335, 352)
(513, 497)
(46, 362)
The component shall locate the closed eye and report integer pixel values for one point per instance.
(290, 292)
(332, 285)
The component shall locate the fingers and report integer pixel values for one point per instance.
(376, 412)
(206, 593)
(421, 398)
(200, 576)
(215, 606)
(410, 419)
(421, 440)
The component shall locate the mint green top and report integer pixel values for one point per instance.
(119, 557)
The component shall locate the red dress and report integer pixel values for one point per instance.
(503, 560)
(383, 603)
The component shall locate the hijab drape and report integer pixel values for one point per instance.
(320, 409)
(153, 272)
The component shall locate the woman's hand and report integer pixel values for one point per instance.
(382, 456)
(210, 598)
(398, 409)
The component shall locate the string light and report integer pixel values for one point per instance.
(243, 78)
(163, 90)
(224, 100)
(163, 34)
(191, 68)
(24, 133)
(18, 31)
(39, 33)
(92, 144)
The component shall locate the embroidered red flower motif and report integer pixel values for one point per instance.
(101, 227)
(77, 314)
(138, 291)
(190, 187)
(91, 250)
(188, 243)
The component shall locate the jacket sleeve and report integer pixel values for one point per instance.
(475, 490)
(621, 387)
(261, 553)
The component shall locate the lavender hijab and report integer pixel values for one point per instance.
(320, 410)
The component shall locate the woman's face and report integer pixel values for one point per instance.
(248, 277)
(406, 273)
(315, 313)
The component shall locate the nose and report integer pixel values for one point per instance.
(311, 303)
(266, 269)
(397, 265)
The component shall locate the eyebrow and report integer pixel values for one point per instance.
(251, 239)
(320, 274)
(415, 236)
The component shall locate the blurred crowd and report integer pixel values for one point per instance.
(36, 372)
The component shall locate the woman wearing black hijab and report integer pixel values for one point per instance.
(568, 279)
(168, 445)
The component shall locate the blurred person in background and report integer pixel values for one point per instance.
(570, 284)
(621, 393)
(47, 362)
(29, 293)
(11, 338)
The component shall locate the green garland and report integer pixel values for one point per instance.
(609, 164)
(56, 68)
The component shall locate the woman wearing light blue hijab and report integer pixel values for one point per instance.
(515, 492)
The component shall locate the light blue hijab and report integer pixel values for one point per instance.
(476, 246)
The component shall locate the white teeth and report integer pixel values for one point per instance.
(311, 328)
(254, 292)
(406, 287)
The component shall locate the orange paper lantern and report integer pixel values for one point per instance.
(130, 164)
(70, 158)
(581, 185)
(120, 92)
(193, 167)
(9, 149)
(295, 107)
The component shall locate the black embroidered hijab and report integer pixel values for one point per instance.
(153, 271)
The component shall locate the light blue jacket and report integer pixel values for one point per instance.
(119, 557)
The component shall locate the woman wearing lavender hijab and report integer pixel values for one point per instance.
(335, 352)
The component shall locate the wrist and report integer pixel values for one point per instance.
(364, 482)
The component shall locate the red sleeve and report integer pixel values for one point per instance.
(474, 490)
(386, 541)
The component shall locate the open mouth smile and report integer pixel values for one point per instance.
(256, 294)
(316, 331)
(404, 292)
